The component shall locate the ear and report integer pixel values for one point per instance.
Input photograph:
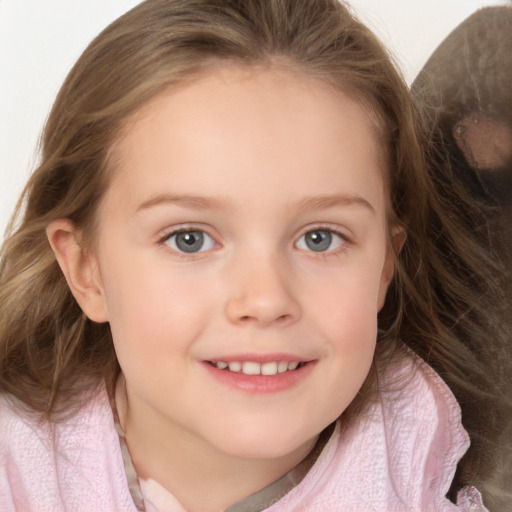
(79, 267)
(398, 238)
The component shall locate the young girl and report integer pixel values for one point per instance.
(224, 272)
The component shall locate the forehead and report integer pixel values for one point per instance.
(232, 124)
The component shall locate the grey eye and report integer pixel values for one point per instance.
(320, 240)
(190, 241)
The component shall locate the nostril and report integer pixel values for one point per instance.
(262, 310)
(258, 318)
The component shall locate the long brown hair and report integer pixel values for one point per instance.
(50, 353)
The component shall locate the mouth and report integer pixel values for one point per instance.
(269, 369)
(260, 374)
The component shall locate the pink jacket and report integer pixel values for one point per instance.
(401, 456)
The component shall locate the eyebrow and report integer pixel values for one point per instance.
(322, 202)
(330, 201)
(184, 201)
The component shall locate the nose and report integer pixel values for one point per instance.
(261, 294)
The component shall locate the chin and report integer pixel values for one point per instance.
(257, 442)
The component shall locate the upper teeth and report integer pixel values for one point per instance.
(252, 368)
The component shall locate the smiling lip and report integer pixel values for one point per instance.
(260, 374)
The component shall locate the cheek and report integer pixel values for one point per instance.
(153, 311)
(352, 330)
(348, 296)
(346, 316)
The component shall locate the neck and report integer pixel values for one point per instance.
(201, 477)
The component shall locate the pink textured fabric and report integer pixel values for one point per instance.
(401, 456)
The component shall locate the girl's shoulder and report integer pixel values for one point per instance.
(400, 455)
(21, 427)
(422, 424)
(77, 460)
(419, 421)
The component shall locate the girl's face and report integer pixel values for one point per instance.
(242, 258)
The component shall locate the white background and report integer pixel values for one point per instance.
(41, 39)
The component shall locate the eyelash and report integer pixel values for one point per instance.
(346, 242)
